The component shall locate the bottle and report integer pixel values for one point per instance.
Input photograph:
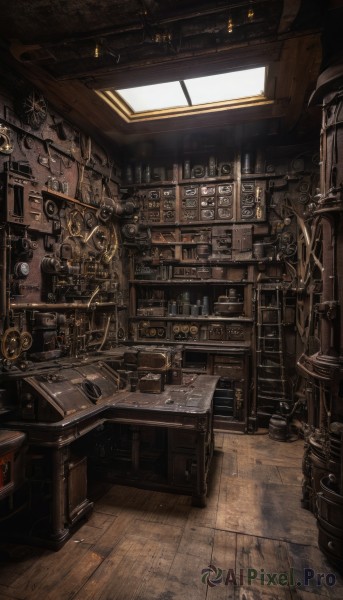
(212, 166)
(128, 174)
(247, 163)
(147, 174)
(205, 307)
(187, 170)
(138, 174)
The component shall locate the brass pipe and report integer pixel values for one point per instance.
(105, 333)
(60, 306)
(3, 274)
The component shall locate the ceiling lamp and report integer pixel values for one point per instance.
(162, 37)
(97, 50)
(251, 13)
(230, 25)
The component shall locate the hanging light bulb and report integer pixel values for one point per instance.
(251, 13)
(97, 50)
(230, 25)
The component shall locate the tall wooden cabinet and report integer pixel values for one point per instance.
(204, 239)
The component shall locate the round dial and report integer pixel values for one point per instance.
(193, 329)
(51, 209)
(101, 238)
(21, 269)
(91, 219)
(26, 340)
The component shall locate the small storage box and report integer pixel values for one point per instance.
(152, 383)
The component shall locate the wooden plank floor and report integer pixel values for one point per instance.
(143, 545)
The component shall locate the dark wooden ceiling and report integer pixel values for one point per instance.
(69, 48)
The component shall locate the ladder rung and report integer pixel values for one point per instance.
(265, 396)
(271, 380)
(269, 286)
(270, 351)
(280, 367)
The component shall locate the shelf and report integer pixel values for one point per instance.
(151, 184)
(224, 222)
(188, 281)
(60, 196)
(190, 318)
(6, 411)
(202, 180)
(202, 346)
(229, 262)
(245, 176)
(178, 243)
(160, 223)
(209, 222)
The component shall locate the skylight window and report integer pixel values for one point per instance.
(228, 86)
(154, 97)
(196, 91)
(193, 96)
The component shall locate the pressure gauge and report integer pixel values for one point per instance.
(21, 269)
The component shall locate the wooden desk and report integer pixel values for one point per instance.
(184, 414)
(168, 445)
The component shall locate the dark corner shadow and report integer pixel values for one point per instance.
(214, 469)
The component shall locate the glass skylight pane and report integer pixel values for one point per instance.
(228, 86)
(154, 97)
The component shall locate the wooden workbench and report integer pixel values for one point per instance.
(158, 441)
(179, 420)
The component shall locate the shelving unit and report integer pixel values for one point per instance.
(195, 282)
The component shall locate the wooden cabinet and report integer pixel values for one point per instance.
(12, 451)
(192, 283)
(212, 234)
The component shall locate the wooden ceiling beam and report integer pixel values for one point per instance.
(177, 67)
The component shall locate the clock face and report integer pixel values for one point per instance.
(33, 109)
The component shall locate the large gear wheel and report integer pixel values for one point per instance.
(26, 340)
(33, 109)
(11, 344)
(75, 224)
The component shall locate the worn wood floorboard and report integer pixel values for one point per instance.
(259, 472)
(207, 517)
(223, 558)
(128, 570)
(290, 475)
(306, 559)
(304, 595)
(254, 593)
(264, 509)
(198, 542)
(16, 561)
(5, 593)
(145, 545)
(69, 568)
